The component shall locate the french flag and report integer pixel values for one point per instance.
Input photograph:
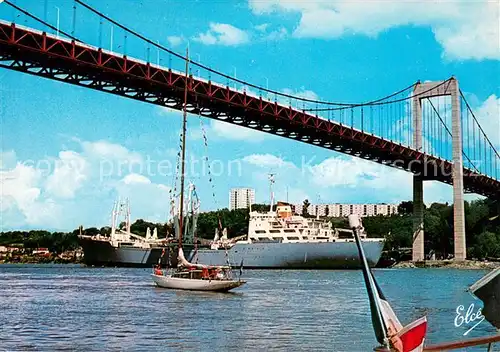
(412, 336)
(388, 329)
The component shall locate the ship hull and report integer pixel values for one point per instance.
(102, 253)
(324, 255)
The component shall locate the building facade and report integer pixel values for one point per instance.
(342, 210)
(241, 198)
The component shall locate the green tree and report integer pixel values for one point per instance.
(487, 246)
(405, 207)
(105, 231)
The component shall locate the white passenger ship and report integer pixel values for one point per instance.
(279, 239)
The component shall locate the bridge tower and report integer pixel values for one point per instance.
(422, 91)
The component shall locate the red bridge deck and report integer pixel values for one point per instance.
(37, 53)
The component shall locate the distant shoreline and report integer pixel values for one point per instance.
(27, 259)
(449, 264)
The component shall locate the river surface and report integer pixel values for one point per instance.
(74, 308)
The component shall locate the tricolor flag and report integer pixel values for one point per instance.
(411, 337)
(404, 339)
(388, 329)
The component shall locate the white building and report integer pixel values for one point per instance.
(241, 198)
(342, 210)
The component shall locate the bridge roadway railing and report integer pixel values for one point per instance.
(46, 55)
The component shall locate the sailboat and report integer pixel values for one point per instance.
(189, 276)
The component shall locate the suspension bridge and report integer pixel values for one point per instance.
(428, 129)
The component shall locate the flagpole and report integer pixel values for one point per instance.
(377, 321)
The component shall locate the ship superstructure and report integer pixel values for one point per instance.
(281, 239)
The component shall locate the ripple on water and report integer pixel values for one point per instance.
(73, 308)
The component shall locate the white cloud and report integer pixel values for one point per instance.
(261, 27)
(70, 172)
(174, 40)
(223, 34)
(267, 161)
(226, 34)
(488, 115)
(277, 34)
(300, 93)
(68, 190)
(466, 30)
(474, 35)
(135, 178)
(391, 184)
(20, 198)
(337, 179)
(148, 200)
(105, 150)
(338, 171)
(108, 160)
(19, 186)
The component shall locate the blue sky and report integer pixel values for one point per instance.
(61, 146)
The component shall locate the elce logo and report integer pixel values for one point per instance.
(468, 317)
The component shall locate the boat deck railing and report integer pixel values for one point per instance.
(478, 341)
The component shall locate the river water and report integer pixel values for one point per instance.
(74, 308)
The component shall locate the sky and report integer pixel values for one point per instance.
(67, 153)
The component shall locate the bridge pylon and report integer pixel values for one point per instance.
(423, 91)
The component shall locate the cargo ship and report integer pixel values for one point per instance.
(122, 247)
(279, 239)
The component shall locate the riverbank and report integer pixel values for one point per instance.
(449, 264)
(36, 259)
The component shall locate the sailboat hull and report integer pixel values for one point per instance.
(195, 284)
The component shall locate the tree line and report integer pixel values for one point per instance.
(482, 229)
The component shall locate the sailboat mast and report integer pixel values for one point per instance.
(271, 181)
(183, 150)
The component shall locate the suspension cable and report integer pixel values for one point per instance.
(446, 127)
(41, 21)
(381, 102)
(159, 46)
(234, 79)
(478, 124)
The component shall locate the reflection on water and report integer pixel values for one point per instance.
(58, 308)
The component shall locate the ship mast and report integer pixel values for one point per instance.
(271, 182)
(183, 149)
(128, 216)
(113, 220)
